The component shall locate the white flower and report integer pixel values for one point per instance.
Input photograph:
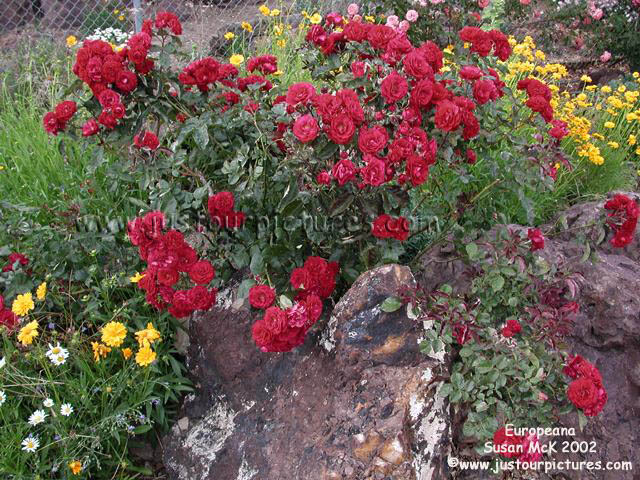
(48, 403)
(58, 359)
(37, 417)
(3, 397)
(66, 409)
(2, 362)
(30, 444)
(56, 351)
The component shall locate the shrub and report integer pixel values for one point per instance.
(343, 152)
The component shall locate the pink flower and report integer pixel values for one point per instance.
(404, 26)
(393, 21)
(525, 2)
(543, 397)
(411, 16)
(436, 2)
(605, 57)
(483, 3)
(597, 14)
(352, 9)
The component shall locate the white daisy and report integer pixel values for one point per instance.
(58, 359)
(3, 397)
(37, 417)
(2, 362)
(48, 403)
(30, 444)
(57, 351)
(66, 409)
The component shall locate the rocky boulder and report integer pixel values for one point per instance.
(357, 401)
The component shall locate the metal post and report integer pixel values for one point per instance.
(137, 12)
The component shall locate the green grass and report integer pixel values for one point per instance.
(43, 171)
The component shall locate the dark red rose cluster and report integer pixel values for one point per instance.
(539, 98)
(57, 120)
(265, 64)
(483, 42)
(536, 238)
(381, 129)
(586, 391)
(12, 259)
(622, 218)
(168, 258)
(110, 74)
(559, 129)
(205, 72)
(386, 226)
(147, 140)
(168, 21)
(511, 328)
(282, 330)
(208, 72)
(523, 447)
(221, 211)
(7, 317)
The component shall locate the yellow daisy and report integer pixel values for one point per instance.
(145, 356)
(147, 336)
(41, 292)
(28, 333)
(113, 334)
(23, 304)
(99, 351)
(236, 59)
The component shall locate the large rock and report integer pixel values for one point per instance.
(606, 332)
(355, 402)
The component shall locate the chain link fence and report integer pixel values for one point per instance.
(204, 21)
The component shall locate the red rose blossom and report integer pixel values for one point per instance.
(306, 128)
(448, 117)
(261, 296)
(536, 237)
(343, 171)
(202, 272)
(372, 140)
(394, 87)
(341, 129)
(146, 140)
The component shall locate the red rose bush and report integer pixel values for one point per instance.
(169, 259)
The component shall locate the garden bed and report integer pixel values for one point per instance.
(356, 246)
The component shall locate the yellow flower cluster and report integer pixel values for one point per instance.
(600, 120)
(146, 337)
(113, 334)
(99, 351)
(526, 61)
